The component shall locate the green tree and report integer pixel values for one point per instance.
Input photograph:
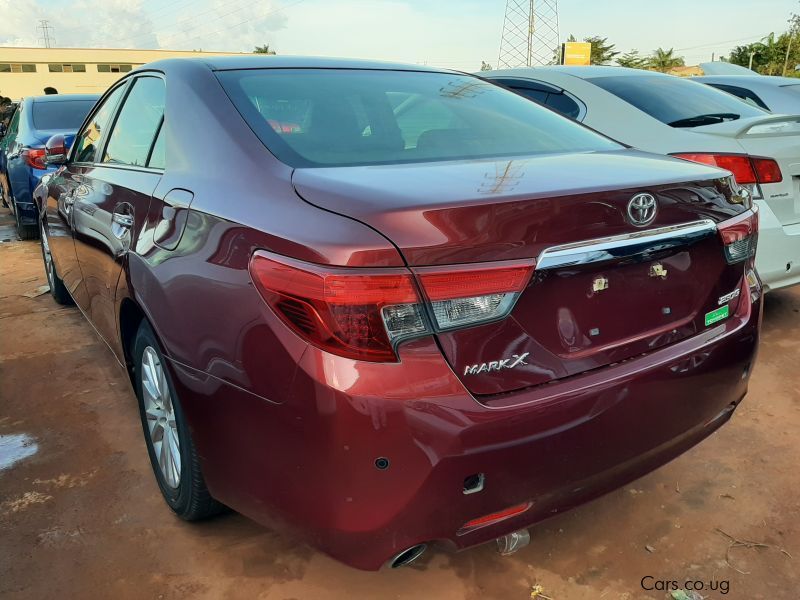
(485, 66)
(602, 52)
(770, 56)
(663, 60)
(263, 50)
(632, 60)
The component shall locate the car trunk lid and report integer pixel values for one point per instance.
(603, 289)
(776, 137)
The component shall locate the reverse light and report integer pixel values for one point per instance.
(364, 313)
(34, 157)
(740, 236)
(466, 295)
(493, 518)
(746, 170)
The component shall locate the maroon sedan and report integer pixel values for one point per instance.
(388, 306)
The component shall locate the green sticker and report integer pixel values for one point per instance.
(715, 316)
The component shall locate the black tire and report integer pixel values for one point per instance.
(25, 232)
(190, 500)
(58, 290)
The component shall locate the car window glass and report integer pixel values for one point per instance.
(535, 95)
(341, 117)
(158, 156)
(137, 123)
(89, 140)
(417, 114)
(747, 95)
(674, 101)
(563, 104)
(61, 114)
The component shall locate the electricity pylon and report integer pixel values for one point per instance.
(530, 34)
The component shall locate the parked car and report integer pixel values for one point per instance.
(22, 164)
(669, 115)
(387, 306)
(776, 94)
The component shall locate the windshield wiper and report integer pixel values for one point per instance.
(709, 119)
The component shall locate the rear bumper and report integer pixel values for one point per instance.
(309, 462)
(778, 257)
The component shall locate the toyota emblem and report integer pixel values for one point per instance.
(642, 209)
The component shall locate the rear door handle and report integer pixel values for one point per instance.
(122, 220)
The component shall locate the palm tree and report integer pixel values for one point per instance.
(663, 60)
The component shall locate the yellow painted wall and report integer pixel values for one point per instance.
(19, 85)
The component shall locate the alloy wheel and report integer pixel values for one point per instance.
(161, 423)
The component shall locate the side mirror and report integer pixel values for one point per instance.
(55, 150)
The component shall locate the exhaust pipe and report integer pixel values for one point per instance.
(509, 544)
(407, 556)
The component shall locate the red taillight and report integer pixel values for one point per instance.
(746, 170)
(496, 517)
(740, 236)
(468, 281)
(364, 313)
(470, 294)
(767, 170)
(355, 313)
(34, 157)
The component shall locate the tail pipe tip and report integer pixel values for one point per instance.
(512, 542)
(407, 556)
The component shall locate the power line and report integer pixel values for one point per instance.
(46, 39)
(250, 21)
(191, 19)
(713, 44)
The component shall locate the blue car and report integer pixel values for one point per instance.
(22, 164)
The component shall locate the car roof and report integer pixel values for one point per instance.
(593, 71)
(761, 80)
(256, 61)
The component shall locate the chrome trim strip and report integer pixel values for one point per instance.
(629, 245)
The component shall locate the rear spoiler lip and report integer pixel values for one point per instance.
(740, 128)
(637, 244)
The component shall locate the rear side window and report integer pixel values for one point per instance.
(61, 114)
(676, 102)
(747, 95)
(90, 138)
(343, 117)
(543, 93)
(137, 124)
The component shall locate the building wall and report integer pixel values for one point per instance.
(16, 85)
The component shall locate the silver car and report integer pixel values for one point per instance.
(669, 115)
(775, 94)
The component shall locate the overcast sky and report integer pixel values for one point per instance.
(457, 34)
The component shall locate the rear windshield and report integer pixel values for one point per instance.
(339, 117)
(677, 102)
(62, 114)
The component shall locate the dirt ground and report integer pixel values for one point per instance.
(82, 516)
